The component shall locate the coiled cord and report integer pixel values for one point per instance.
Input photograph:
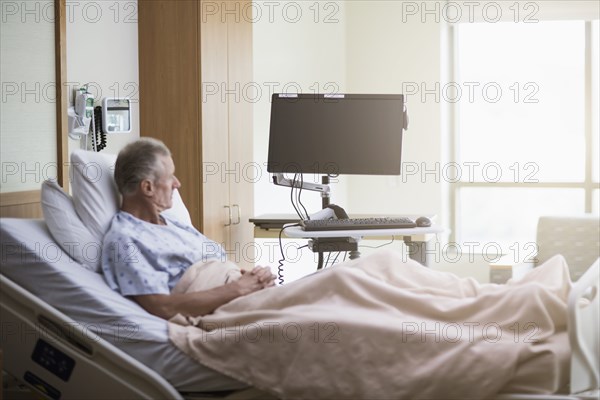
(280, 277)
(99, 135)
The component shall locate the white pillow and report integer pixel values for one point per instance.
(94, 190)
(66, 227)
(179, 210)
(95, 193)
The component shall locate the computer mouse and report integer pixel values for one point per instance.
(423, 222)
(340, 213)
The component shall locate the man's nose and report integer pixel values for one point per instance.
(176, 184)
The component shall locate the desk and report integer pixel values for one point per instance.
(416, 239)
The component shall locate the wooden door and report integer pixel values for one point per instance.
(215, 128)
(240, 134)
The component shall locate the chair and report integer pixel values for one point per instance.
(576, 238)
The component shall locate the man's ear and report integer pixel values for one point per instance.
(147, 187)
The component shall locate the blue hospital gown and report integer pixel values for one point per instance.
(139, 257)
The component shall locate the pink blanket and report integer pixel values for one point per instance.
(386, 327)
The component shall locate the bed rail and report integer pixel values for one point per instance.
(583, 321)
(584, 336)
(66, 354)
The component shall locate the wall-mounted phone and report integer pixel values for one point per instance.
(116, 115)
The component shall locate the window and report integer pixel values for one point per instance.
(526, 127)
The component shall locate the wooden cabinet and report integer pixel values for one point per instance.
(194, 66)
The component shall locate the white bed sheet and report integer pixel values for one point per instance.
(31, 258)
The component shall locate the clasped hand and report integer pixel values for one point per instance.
(256, 279)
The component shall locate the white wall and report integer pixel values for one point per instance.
(298, 47)
(293, 52)
(385, 49)
(369, 51)
(28, 103)
(384, 56)
(102, 49)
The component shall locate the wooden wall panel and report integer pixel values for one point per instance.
(62, 96)
(169, 60)
(20, 205)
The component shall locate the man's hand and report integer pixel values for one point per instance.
(256, 279)
(205, 302)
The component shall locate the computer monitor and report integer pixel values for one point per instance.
(356, 134)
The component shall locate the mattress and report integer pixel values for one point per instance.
(31, 259)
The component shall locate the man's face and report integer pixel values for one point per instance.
(165, 184)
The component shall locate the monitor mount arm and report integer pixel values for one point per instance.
(323, 188)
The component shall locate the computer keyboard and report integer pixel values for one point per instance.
(352, 224)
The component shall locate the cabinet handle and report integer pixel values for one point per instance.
(229, 215)
(239, 214)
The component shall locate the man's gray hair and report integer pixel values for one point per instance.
(138, 161)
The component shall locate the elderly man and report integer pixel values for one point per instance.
(145, 253)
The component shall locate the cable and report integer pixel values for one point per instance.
(292, 196)
(335, 259)
(327, 261)
(300, 194)
(296, 200)
(91, 132)
(282, 260)
(99, 135)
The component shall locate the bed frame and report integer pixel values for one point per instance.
(55, 356)
(64, 354)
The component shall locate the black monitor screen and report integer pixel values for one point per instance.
(342, 134)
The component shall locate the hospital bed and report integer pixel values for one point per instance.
(66, 334)
(62, 325)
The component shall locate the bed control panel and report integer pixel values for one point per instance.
(54, 360)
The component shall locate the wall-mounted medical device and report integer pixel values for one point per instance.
(81, 113)
(116, 115)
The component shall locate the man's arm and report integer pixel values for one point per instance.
(205, 302)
